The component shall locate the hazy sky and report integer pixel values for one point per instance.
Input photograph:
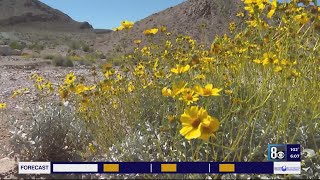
(107, 14)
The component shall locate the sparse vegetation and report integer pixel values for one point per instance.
(62, 61)
(86, 48)
(36, 47)
(75, 45)
(49, 56)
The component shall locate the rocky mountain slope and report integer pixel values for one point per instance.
(201, 19)
(23, 15)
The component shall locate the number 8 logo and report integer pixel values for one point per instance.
(274, 153)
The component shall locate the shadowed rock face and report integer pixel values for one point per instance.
(5, 50)
(16, 14)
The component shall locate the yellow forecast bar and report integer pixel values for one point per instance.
(168, 167)
(111, 168)
(226, 168)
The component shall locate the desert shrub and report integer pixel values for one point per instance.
(52, 134)
(85, 62)
(49, 56)
(116, 60)
(91, 58)
(86, 48)
(74, 58)
(58, 61)
(81, 60)
(17, 45)
(62, 61)
(75, 45)
(68, 63)
(36, 47)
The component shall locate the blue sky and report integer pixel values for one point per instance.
(107, 14)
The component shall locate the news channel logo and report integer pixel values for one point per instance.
(277, 152)
(287, 168)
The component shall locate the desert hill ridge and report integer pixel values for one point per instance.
(26, 15)
(200, 19)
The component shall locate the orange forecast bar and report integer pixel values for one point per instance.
(111, 168)
(226, 168)
(168, 167)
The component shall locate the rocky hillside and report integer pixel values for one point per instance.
(201, 19)
(23, 15)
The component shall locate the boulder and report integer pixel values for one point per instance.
(5, 50)
(16, 52)
(6, 164)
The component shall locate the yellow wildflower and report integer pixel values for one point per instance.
(120, 28)
(163, 29)
(295, 73)
(119, 77)
(241, 14)
(70, 78)
(171, 118)
(137, 41)
(257, 61)
(228, 92)
(180, 69)
(232, 26)
(3, 105)
(127, 24)
(151, 31)
(80, 88)
(208, 90)
(109, 73)
(146, 51)
(39, 79)
(166, 92)
(48, 85)
(15, 93)
(269, 58)
(92, 148)
(106, 67)
(64, 93)
(200, 77)
(139, 70)
(189, 96)
(273, 9)
(178, 88)
(278, 69)
(131, 87)
(196, 123)
(301, 18)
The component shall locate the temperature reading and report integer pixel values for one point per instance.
(293, 153)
